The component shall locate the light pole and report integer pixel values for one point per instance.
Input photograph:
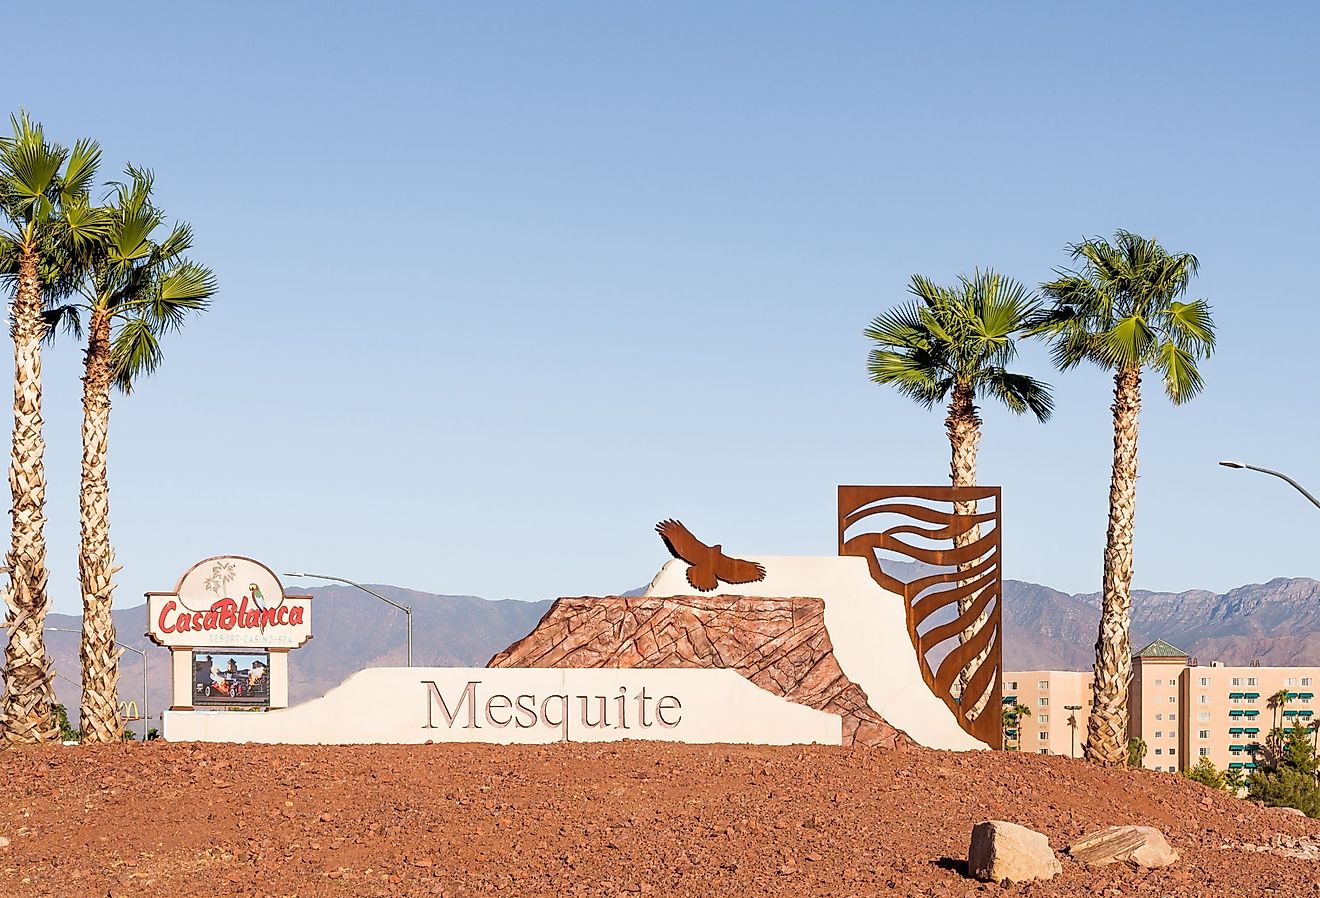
(1293, 483)
(127, 648)
(1072, 722)
(406, 609)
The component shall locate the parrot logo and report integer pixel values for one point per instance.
(257, 598)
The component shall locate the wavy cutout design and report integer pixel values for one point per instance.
(875, 519)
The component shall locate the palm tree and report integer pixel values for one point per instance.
(1136, 752)
(955, 344)
(1121, 311)
(49, 225)
(136, 289)
(1277, 701)
(1013, 715)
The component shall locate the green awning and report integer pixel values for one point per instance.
(1250, 695)
(1235, 765)
(1306, 695)
(1252, 730)
(1010, 699)
(1236, 731)
(1291, 713)
(1235, 695)
(1236, 713)
(1250, 765)
(1252, 713)
(1237, 748)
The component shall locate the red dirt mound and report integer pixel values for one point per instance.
(590, 820)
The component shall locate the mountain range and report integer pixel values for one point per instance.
(1276, 623)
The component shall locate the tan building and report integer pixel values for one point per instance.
(1047, 694)
(1154, 711)
(1183, 711)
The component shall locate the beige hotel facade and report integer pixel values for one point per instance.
(1183, 710)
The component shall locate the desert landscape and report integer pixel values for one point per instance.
(617, 820)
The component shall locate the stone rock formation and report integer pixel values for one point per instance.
(779, 644)
(1144, 846)
(1006, 852)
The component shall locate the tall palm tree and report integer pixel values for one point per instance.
(136, 289)
(1120, 309)
(955, 344)
(1276, 702)
(48, 226)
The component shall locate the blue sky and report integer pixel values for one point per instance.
(503, 285)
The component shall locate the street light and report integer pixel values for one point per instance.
(128, 648)
(1293, 483)
(1072, 722)
(406, 609)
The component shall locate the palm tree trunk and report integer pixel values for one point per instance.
(100, 655)
(1108, 725)
(963, 426)
(25, 716)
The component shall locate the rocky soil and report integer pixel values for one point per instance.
(625, 819)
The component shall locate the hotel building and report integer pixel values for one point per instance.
(1182, 710)
(1047, 695)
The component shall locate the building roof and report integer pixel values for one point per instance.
(1160, 649)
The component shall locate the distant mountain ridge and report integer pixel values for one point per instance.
(1276, 623)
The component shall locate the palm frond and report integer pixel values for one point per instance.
(134, 353)
(1019, 393)
(62, 319)
(1182, 379)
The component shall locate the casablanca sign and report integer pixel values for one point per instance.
(229, 601)
(229, 626)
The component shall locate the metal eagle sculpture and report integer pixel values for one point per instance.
(707, 565)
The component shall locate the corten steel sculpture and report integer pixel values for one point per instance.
(708, 564)
(968, 571)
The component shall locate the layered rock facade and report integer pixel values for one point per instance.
(780, 644)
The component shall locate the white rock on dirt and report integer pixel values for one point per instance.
(1006, 852)
(1144, 846)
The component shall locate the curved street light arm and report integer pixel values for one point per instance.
(406, 609)
(1284, 477)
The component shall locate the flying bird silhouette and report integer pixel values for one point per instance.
(708, 565)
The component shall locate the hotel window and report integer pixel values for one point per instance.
(1203, 715)
(1237, 681)
(1235, 752)
(1173, 751)
(1203, 734)
(1012, 687)
(1205, 681)
(1042, 751)
(1042, 684)
(1159, 734)
(1043, 702)
(1159, 682)
(1043, 736)
(1173, 716)
(1173, 699)
(1204, 752)
(1173, 769)
(1237, 699)
(1251, 681)
(1306, 681)
(1043, 718)
(1159, 751)
(1205, 699)
(1292, 681)
(1159, 716)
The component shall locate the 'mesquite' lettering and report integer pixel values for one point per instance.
(620, 712)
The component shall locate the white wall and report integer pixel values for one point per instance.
(399, 705)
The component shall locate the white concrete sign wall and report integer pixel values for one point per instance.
(526, 706)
